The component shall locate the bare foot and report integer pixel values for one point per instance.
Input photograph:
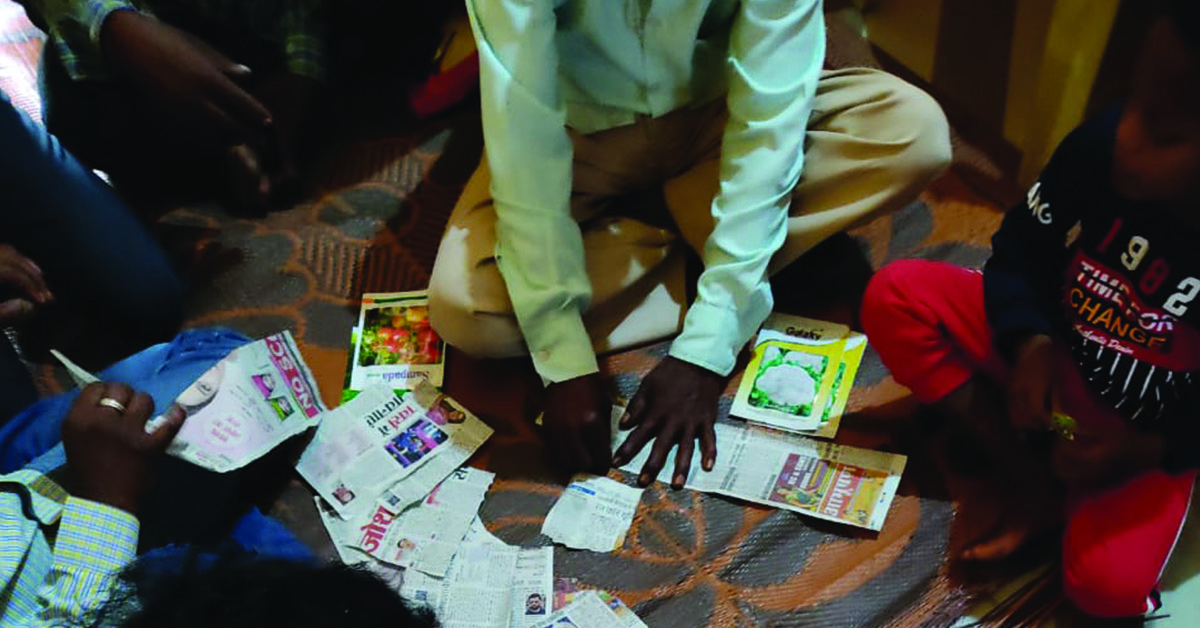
(1020, 522)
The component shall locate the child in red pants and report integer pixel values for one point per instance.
(1085, 310)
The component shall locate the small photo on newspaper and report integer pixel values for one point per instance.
(800, 375)
(394, 344)
(365, 445)
(255, 398)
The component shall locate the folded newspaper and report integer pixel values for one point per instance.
(378, 440)
(591, 609)
(490, 584)
(800, 376)
(255, 398)
(393, 344)
(426, 536)
(593, 513)
(567, 590)
(342, 534)
(789, 471)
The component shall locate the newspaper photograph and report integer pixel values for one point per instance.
(814, 478)
(467, 434)
(369, 443)
(593, 513)
(255, 398)
(588, 609)
(489, 585)
(426, 536)
(394, 344)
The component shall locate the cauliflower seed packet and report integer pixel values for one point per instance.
(800, 376)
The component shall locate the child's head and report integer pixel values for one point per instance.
(1157, 155)
(193, 590)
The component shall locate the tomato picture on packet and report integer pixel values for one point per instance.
(394, 344)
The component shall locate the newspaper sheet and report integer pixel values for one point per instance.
(593, 513)
(342, 535)
(247, 404)
(798, 373)
(467, 434)
(374, 441)
(590, 610)
(490, 584)
(789, 471)
(426, 536)
(394, 345)
(566, 590)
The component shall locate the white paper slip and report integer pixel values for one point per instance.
(467, 434)
(394, 345)
(371, 442)
(593, 513)
(78, 374)
(789, 471)
(258, 396)
(426, 536)
(589, 610)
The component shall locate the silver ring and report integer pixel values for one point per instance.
(109, 402)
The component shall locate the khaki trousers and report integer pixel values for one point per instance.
(873, 143)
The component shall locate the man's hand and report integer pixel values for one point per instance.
(108, 451)
(578, 422)
(189, 80)
(22, 286)
(676, 404)
(1099, 459)
(1032, 390)
(267, 175)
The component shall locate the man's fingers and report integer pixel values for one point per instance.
(116, 394)
(19, 275)
(39, 279)
(139, 409)
(634, 411)
(708, 446)
(599, 444)
(161, 430)
(683, 459)
(658, 457)
(633, 443)
(240, 105)
(15, 310)
(91, 394)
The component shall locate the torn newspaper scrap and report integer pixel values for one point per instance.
(250, 402)
(593, 513)
(426, 536)
(589, 609)
(489, 585)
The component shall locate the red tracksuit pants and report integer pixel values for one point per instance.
(928, 323)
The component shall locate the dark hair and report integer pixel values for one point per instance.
(1185, 17)
(236, 591)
